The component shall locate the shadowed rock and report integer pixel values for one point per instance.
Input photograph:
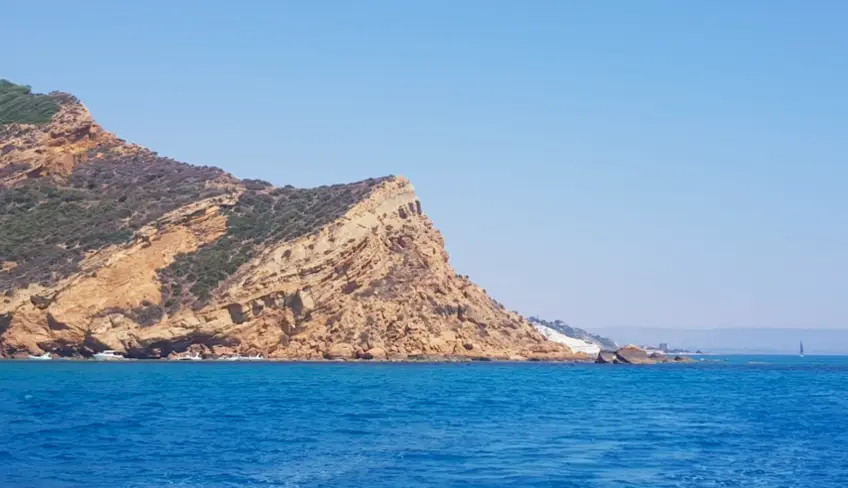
(633, 355)
(606, 357)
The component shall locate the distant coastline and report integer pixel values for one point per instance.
(737, 341)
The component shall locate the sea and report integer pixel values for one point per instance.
(757, 421)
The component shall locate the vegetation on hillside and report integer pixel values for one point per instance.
(262, 215)
(18, 105)
(46, 227)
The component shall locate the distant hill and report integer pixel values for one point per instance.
(604, 343)
(747, 340)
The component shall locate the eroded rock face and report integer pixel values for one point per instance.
(34, 151)
(377, 353)
(373, 282)
(341, 350)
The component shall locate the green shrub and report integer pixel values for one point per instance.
(46, 227)
(18, 105)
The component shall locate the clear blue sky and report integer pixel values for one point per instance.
(662, 163)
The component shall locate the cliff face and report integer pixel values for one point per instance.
(106, 245)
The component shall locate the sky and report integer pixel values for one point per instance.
(654, 163)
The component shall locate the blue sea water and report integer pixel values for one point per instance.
(749, 422)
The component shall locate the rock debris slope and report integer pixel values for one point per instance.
(107, 245)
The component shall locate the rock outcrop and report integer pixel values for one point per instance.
(636, 355)
(106, 245)
(633, 355)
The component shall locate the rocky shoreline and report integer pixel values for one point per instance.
(631, 355)
(409, 359)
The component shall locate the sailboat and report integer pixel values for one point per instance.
(802, 349)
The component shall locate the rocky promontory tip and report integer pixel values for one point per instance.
(106, 245)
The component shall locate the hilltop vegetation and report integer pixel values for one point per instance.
(262, 215)
(18, 105)
(46, 227)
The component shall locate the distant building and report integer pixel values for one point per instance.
(664, 347)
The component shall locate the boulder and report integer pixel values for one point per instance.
(633, 355)
(606, 357)
(377, 353)
(341, 350)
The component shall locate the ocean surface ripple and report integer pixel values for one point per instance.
(782, 423)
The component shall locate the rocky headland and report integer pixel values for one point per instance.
(106, 245)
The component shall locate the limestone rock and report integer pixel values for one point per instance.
(377, 353)
(341, 351)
